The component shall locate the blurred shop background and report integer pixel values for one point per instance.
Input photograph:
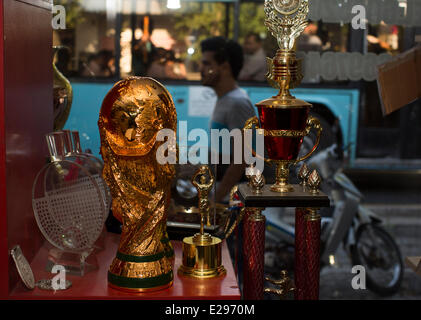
(107, 40)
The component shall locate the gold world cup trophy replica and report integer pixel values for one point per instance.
(202, 252)
(132, 114)
(285, 119)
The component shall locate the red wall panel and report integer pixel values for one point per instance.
(4, 274)
(27, 113)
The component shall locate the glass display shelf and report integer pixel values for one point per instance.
(93, 285)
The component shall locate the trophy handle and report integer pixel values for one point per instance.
(254, 121)
(250, 122)
(312, 123)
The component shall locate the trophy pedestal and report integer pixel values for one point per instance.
(202, 259)
(282, 188)
(74, 263)
(307, 238)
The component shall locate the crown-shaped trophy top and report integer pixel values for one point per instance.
(286, 21)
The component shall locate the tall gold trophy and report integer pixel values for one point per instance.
(202, 252)
(285, 119)
(132, 114)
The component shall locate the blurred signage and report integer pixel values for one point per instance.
(341, 66)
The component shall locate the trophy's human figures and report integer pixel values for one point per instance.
(203, 186)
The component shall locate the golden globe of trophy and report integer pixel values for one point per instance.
(132, 114)
(285, 119)
(202, 252)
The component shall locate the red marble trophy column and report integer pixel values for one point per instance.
(312, 238)
(307, 254)
(253, 254)
(300, 268)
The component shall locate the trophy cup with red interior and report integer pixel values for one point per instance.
(284, 118)
(285, 121)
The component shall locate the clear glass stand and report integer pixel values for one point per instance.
(74, 263)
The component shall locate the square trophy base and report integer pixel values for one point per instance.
(74, 263)
(267, 198)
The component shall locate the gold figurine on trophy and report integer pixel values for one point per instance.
(285, 119)
(132, 114)
(203, 187)
(202, 252)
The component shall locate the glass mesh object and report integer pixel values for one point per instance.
(73, 152)
(68, 204)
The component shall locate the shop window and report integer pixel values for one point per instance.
(164, 43)
(318, 37)
(154, 39)
(88, 39)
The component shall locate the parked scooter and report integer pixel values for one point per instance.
(347, 221)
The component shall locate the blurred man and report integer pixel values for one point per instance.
(254, 59)
(143, 50)
(309, 40)
(100, 65)
(222, 61)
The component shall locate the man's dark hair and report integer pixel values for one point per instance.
(255, 35)
(225, 50)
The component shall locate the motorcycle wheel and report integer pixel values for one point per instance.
(376, 250)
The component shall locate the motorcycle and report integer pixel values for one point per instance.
(348, 222)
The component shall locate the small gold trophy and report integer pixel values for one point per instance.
(202, 252)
